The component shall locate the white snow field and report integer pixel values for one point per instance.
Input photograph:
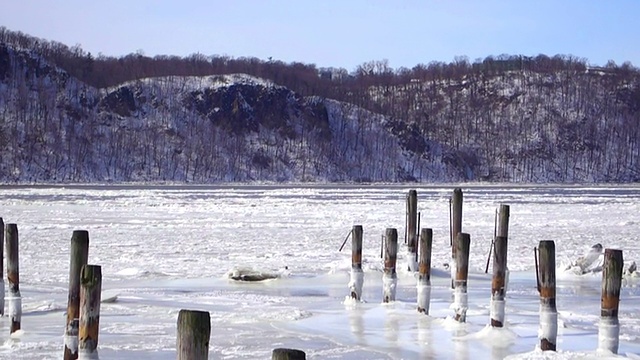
(166, 248)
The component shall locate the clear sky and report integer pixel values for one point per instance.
(338, 33)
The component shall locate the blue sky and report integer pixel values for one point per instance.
(341, 33)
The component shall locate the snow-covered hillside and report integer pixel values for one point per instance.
(525, 124)
(194, 129)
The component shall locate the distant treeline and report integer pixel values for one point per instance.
(306, 79)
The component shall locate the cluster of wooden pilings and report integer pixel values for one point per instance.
(419, 251)
(194, 326)
(609, 326)
(85, 283)
(83, 307)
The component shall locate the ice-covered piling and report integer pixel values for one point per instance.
(79, 254)
(89, 321)
(357, 276)
(194, 332)
(411, 231)
(390, 277)
(498, 283)
(424, 271)
(13, 277)
(460, 297)
(609, 326)
(456, 228)
(547, 286)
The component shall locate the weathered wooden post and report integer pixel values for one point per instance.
(503, 221)
(424, 271)
(460, 299)
(357, 276)
(456, 228)
(194, 332)
(1, 267)
(79, 257)
(412, 236)
(89, 322)
(13, 277)
(502, 229)
(609, 327)
(547, 287)
(288, 354)
(498, 283)
(390, 277)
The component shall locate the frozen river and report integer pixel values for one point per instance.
(166, 248)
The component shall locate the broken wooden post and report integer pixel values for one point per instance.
(89, 322)
(609, 326)
(1, 267)
(390, 277)
(412, 236)
(288, 354)
(456, 228)
(357, 276)
(498, 283)
(79, 253)
(547, 287)
(460, 299)
(424, 271)
(13, 277)
(194, 332)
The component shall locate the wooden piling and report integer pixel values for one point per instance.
(79, 255)
(89, 322)
(424, 271)
(456, 228)
(412, 236)
(503, 221)
(609, 327)
(460, 299)
(502, 229)
(390, 277)
(547, 277)
(357, 276)
(498, 283)
(2, 291)
(288, 354)
(13, 277)
(194, 332)
(456, 216)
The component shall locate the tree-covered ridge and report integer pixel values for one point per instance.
(69, 116)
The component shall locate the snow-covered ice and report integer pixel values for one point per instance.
(166, 248)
